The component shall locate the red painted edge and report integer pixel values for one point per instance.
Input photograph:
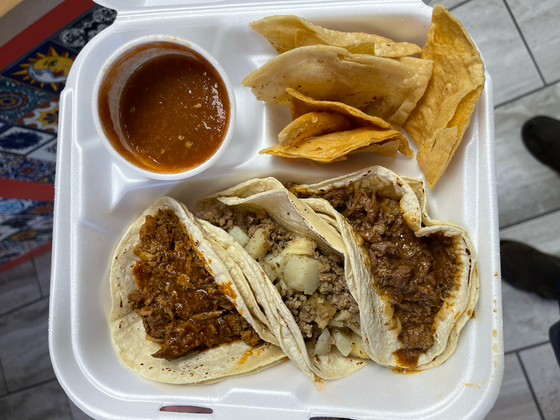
(25, 257)
(39, 31)
(26, 190)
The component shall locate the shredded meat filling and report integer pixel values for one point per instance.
(180, 304)
(413, 273)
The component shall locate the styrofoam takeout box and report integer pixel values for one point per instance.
(97, 199)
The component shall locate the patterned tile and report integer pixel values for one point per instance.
(44, 117)
(538, 21)
(23, 169)
(18, 286)
(515, 401)
(46, 152)
(17, 99)
(526, 187)
(43, 268)
(3, 124)
(45, 402)
(12, 206)
(77, 34)
(544, 374)
(505, 56)
(28, 239)
(22, 140)
(25, 332)
(45, 67)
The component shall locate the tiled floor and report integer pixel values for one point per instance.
(519, 40)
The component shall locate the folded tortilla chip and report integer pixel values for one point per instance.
(301, 104)
(440, 120)
(388, 88)
(288, 32)
(335, 146)
(312, 124)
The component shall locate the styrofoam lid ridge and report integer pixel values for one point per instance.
(130, 5)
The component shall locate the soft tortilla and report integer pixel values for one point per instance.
(381, 330)
(129, 336)
(289, 212)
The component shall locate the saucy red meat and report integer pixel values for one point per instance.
(414, 274)
(180, 304)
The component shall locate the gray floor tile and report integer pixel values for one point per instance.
(544, 375)
(515, 401)
(527, 318)
(44, 402)
(43, 267)
(3, 387)
(77, 413)
(18, 286)
(24, 346)
(538, 21)
(505, 55)
(542, 233)
(526, 187)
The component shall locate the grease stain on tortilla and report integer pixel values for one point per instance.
(473, 316)
(255, 351)
(319, 384)
(403, 371)
(226, 289)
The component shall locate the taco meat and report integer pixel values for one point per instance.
(329, 303)
(180, 304)
(414, 274)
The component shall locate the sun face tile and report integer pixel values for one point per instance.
(46, 67)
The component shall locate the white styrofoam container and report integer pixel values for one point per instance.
(97, 199)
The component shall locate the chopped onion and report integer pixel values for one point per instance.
(322, 345)
(302, 273)
(270, 273)
(239, 235)
(259, 244)
(300, 246)
(343, 341)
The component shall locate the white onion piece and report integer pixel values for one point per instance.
(300, 246)
(302, 273)
(239, 235)
(259, 244)
(343, 341)
(322, 345)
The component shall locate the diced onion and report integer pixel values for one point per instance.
(302, 273)
(343, 341)
(270, 273)
(239, 235)
(322, 345)
(259, 244)
(300, 246)
(276, 263)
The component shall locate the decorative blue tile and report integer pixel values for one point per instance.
(12, 206)
(40, 208)
(24, 169)
(44, 117)
(22, 140)
(3, 124)
(45, 67)
(17, 99)
(77, 34)
(46, 152)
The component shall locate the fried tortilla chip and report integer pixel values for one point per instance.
(440, 120)
(312, 124)
(388, 88)
(288, 32)
(335, 146)
(302, 104)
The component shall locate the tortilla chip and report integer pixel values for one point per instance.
(440, 120)
(335, 146)
(388, 88)
(312, 124)
(387, 148)
(302, 104)
(288, 32)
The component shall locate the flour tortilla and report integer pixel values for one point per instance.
(289, 212)
(129, 336)
(380, 330)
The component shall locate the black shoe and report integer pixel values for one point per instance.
(554, 335)
(528, 269)
(541, 136)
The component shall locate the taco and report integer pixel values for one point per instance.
(298, 266)
(179, 314)
(416, 278)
